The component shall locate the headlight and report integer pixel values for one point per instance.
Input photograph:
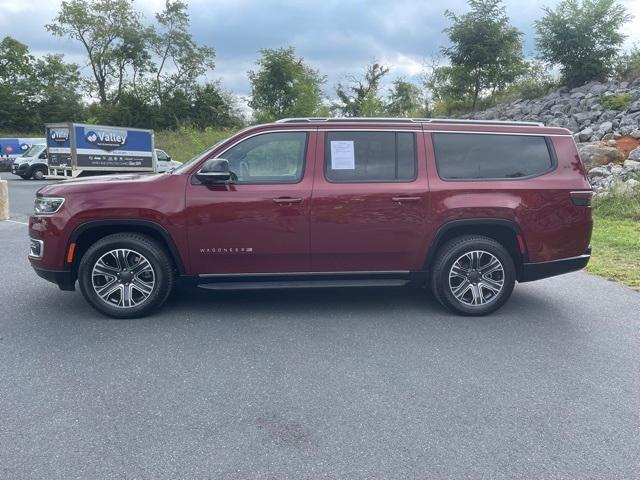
(47, 205)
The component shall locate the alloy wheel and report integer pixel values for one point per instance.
(476, 278)
(123, 278)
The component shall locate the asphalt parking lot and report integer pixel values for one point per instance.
(335, 384)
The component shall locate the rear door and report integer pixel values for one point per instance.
(370, 201)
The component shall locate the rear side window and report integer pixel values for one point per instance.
(486, 156)
(370, 157)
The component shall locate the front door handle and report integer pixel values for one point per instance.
(406, 199)
(287, 200)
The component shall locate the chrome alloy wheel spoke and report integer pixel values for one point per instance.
(476, 278)
(123, 278)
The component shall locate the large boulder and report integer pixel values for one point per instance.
(595, 154)
(632, 165)
(635, 155)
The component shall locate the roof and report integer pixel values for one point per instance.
(449, 121)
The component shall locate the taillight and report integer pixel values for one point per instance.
(582, 198)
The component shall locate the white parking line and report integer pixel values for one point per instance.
(16, 221)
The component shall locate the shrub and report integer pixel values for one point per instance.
(616, 102)
(627, 66)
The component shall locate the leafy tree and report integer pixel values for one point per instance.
(485, 53)
(179, 60)
(627, 65)
(284, 86)
(406, 100)
(360, 97)
(113, 37)
(583, 37)
(212, 106)
(57, 87)
(35, 91)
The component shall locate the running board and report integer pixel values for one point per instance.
(333, 283)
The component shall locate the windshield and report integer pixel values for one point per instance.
(199, 156)
(33, 150)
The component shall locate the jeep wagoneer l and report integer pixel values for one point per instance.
(467, 208)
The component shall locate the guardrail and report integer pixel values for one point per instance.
(4, 200)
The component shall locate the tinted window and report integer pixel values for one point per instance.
(469, 156)
(370, 157)
(268, 158)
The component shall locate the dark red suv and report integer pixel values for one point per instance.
(467, 207)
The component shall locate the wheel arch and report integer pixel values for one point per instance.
(87, 233)
(504, 231)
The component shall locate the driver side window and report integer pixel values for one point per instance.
(276, 157)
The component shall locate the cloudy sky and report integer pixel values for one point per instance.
(338, 37)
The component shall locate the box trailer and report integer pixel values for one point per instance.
(78, 149)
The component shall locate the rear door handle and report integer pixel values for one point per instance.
(287, 200)
(406, 199)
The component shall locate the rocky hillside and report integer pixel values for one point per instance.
(605, 120)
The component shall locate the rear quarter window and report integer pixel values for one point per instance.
(478, 156)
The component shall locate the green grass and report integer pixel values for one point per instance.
(616, 239)
(616, 102)
(185, 143)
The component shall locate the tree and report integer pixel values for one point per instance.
(113, 37)
(284, 86)
(34, 91)
(485, 53)
(583, 37)
(213, 106)
(406, 100)
(360, 98)
(179, 60)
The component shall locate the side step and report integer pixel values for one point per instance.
(333, 283)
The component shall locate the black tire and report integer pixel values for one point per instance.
(25, 177)
(156, 285)
(479, 287)
(39, 173)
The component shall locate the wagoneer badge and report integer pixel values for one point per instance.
(223, 250)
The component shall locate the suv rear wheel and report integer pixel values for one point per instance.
(125, 275)
(473, 275)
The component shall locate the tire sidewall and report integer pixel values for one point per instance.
(445, 294)
(153, 253)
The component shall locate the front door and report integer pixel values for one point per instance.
(370, 202)
(260, 222)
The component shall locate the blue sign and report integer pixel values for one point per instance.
(113, 147)
(112, 139)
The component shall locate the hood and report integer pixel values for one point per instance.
(99, 182)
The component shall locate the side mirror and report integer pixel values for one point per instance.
(215, 170)
(43, 155)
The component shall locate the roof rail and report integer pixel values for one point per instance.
(408, 120)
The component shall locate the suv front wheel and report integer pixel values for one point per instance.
(473, 275)
(125, 275)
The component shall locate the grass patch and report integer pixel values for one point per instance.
(185, 143)
(616, 239)
(616, 102)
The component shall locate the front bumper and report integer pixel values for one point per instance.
(537, 271)
(22, 169)
(64, 279)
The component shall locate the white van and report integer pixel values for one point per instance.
(33, 163)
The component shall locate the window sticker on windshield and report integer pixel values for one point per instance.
(342, 155)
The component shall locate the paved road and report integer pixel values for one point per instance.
(21, 194)
(336, 384)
